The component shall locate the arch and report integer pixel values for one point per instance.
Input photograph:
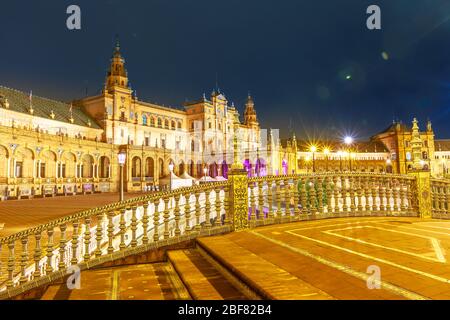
(47, 164)
(179, 125)
(152, 121)
(4, 155)
(144, 120)
(136, 167)
(86, 166)
(103, 167)
(173, 125)
(181, 168)
(23, 166)
(190, 168)
(199, 169)
(224, 169)
(213, 170)
(159, 122)
(161, 167)
(68, 162)
(166, 124)
(149, 167)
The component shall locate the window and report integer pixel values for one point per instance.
(152, 121)
(42, 170)
(19, 169)
(179, 125)
(173, 125)
(147, 141)
(209, 125)
(144, 120)
(159, 122)
(166, 124)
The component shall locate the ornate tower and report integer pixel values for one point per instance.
(117, 75)
(250, 113)
(416, 145)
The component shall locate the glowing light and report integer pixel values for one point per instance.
(307, 158)
(313, 148)
(388, 161)
(385, 55)
(326, 151)
(348, 140)
(348, 77)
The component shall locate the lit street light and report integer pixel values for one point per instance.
(205, 171)
(121, 157)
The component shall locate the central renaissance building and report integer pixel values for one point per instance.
(50, 148)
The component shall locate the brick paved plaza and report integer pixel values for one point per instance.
(16, 215)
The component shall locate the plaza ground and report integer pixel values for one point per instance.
(322, 259)
(17, 215)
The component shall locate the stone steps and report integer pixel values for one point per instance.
(201, 278)
(156, 281)
(260, 277)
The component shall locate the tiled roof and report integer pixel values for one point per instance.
(20, 101)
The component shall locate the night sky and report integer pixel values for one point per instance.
(293, 56)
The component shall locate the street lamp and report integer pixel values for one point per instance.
(170, 175)
(326, 152)
(348, 140)
(121, 157)
(313, 150)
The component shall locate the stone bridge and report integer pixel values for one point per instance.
(246, 238)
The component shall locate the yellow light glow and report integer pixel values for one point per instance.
(307, 158)
(326, 151)
(313, 148)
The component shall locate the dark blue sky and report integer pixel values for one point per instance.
(293, 56)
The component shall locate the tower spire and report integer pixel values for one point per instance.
(117, 74)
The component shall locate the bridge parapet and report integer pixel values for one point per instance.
(40, 255)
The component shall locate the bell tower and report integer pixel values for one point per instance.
(250, 119)
(117, 76)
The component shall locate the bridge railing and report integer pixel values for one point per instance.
(440, 198)
(39, 255)
(330, 195)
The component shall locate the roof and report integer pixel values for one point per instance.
(20, 102)
(392, 128)
(357, 146)
(441, 145)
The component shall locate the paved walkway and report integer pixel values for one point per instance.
(17, 215)
(338, 257)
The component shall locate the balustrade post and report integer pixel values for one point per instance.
(37, 254)
(351, 182)
(423, 192)
(49, 267)
(278, 197)
(177, 215)
(62, 247)
(397, 195)
(11, 265)
(287, 198)
(367, 194)
(336, 208)
(253, 200)
(312, 196)
(111, 215)
(304, 197)
(296, 198)
(133, 226)
(447, 199)
(226, 205)
(75, 236)
(146, 206)
(197, 211)
(345, 206)
(24, 260)
(329, 194)
(260, 200)
(320, 195)
(403, 197)
(156, 220)
(374, 195)
(187, 212)
(360, 195)
(166, 217)
(218, 207)
(99, 234)
(270, 199)
(208, 209)
(122, 227)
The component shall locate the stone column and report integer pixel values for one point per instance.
(238, 192)
(422, 192)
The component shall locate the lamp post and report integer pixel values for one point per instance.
(205, 171)
(121, 157)
(313, 150)
(326, 152)
(388, 163)
(170, 175)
